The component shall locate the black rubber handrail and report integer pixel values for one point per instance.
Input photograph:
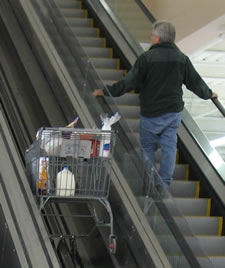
(219, 105)
(146, 11)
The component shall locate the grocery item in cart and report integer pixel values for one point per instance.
(73, 123)
(51, 141)
(75, 147)
(65, 183)
(107, 122)
(43, 177)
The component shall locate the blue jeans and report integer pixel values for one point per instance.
(161, 130)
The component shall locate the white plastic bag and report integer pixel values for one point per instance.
(51, 142)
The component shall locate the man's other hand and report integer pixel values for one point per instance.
(214, 95)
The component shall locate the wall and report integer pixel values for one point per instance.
(197, 22)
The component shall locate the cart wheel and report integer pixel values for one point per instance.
(112, 244)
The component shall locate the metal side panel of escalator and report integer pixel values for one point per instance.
(23, 238)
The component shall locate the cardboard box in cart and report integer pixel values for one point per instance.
(76, 148)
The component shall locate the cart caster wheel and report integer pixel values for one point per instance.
(112, 244)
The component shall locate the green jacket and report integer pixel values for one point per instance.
(158, 75)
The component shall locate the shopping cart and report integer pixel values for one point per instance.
(71, 164)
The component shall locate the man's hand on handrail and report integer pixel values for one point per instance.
(214, 95)
(98, 92)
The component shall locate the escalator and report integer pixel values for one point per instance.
(186, 190)
(109, 70)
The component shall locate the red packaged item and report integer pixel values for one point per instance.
(87, 137)
(95, 148)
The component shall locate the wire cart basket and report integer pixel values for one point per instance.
(73, 165)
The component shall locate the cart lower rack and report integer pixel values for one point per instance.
(69, 163)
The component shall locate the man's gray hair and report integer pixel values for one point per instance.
(165, 30)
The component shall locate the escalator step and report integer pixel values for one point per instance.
(181, 172)
(69, 4)
(98, 52)
(210, 245)
(193, 207)
(74, 12)
(128, 98)
(79, 22)
(105, 62)
(185, 188)
(130, 111)
(85, 31)
(110, 74)
(217, 262)
(92, 41)
(207, 226)
(201, 225)
(133, 123)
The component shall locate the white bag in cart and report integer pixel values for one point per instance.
(50, 143)
(64, 144)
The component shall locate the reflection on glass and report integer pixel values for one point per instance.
(209, 120)
(125, 11)
(216, 159)
(218, 142)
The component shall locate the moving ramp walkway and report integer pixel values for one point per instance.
(123, 184)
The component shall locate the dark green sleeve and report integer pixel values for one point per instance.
(133, 80)
(195, 83)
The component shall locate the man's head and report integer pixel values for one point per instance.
(163, 31)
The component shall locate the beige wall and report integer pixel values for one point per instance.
(191, 17)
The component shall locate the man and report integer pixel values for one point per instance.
(159, 74)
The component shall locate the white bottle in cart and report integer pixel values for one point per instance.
(65, 183)
(104, 150)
